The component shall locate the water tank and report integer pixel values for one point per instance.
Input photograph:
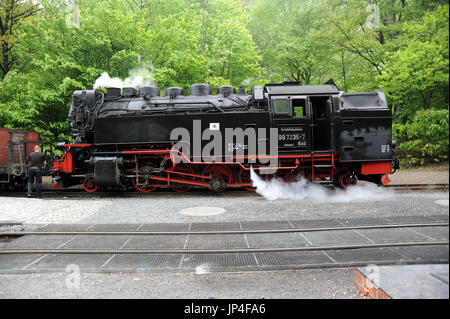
(226, 90)
(147, 92)
(200, 89)
(113, 92)
(173, 92)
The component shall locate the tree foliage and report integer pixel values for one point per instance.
(426, 138)
(52, 47)
(181, 42)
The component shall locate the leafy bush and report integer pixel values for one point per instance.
(425, 139)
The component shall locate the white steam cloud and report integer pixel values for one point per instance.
(203, 269)
(138, 77)
(246, 82)
(305, 189)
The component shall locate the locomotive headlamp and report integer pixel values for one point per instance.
(61, 146)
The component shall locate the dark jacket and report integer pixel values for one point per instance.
(36, 159)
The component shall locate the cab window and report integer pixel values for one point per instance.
(299, 106)
(281, 106)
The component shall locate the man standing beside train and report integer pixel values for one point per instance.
(37, 161)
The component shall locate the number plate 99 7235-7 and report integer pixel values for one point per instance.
(292, 137)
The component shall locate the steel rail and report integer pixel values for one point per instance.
(60, 193)
(419, 187)
(221, 232)
(216, 251)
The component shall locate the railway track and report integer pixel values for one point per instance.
(70, 193)
(419, 187)
(7, 251)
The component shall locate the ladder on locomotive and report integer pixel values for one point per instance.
(330, 163)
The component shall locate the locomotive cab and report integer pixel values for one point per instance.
(303, 115)
(351, 132)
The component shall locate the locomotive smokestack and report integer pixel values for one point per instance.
(241, 89)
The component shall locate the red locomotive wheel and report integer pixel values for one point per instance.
(89, 185)
(347, 179)
(142, 189)
(245, 178)
(180, 187)
(220, 177)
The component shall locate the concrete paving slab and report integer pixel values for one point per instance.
(422, 254)
(140, 262)
(215, 226)
(439, 233)
(364, 221)
(278, 224)
(114, 227)
(97, 242)
(205, 263)
(410, 219)
(64, 227)
(156, 242)
(442, 218)
(335, 237)
(165, 227)
(366, 255)
(216, 241)
(315, 223)
(61, 262)
(36, 242)
(14, 263)
(393, 234)
(410, 281)
(280, 240)
(277, 259)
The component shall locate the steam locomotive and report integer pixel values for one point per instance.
(128, 138)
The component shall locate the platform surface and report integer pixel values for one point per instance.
(411, 281)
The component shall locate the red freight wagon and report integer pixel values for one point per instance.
(15, 146)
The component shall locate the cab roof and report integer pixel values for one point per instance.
(293, 88)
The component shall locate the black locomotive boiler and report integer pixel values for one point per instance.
(125, 137)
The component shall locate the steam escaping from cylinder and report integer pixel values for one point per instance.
(137, 77)
(304, 189)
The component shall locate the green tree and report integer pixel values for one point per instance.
(417, 75)
(13, 14)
